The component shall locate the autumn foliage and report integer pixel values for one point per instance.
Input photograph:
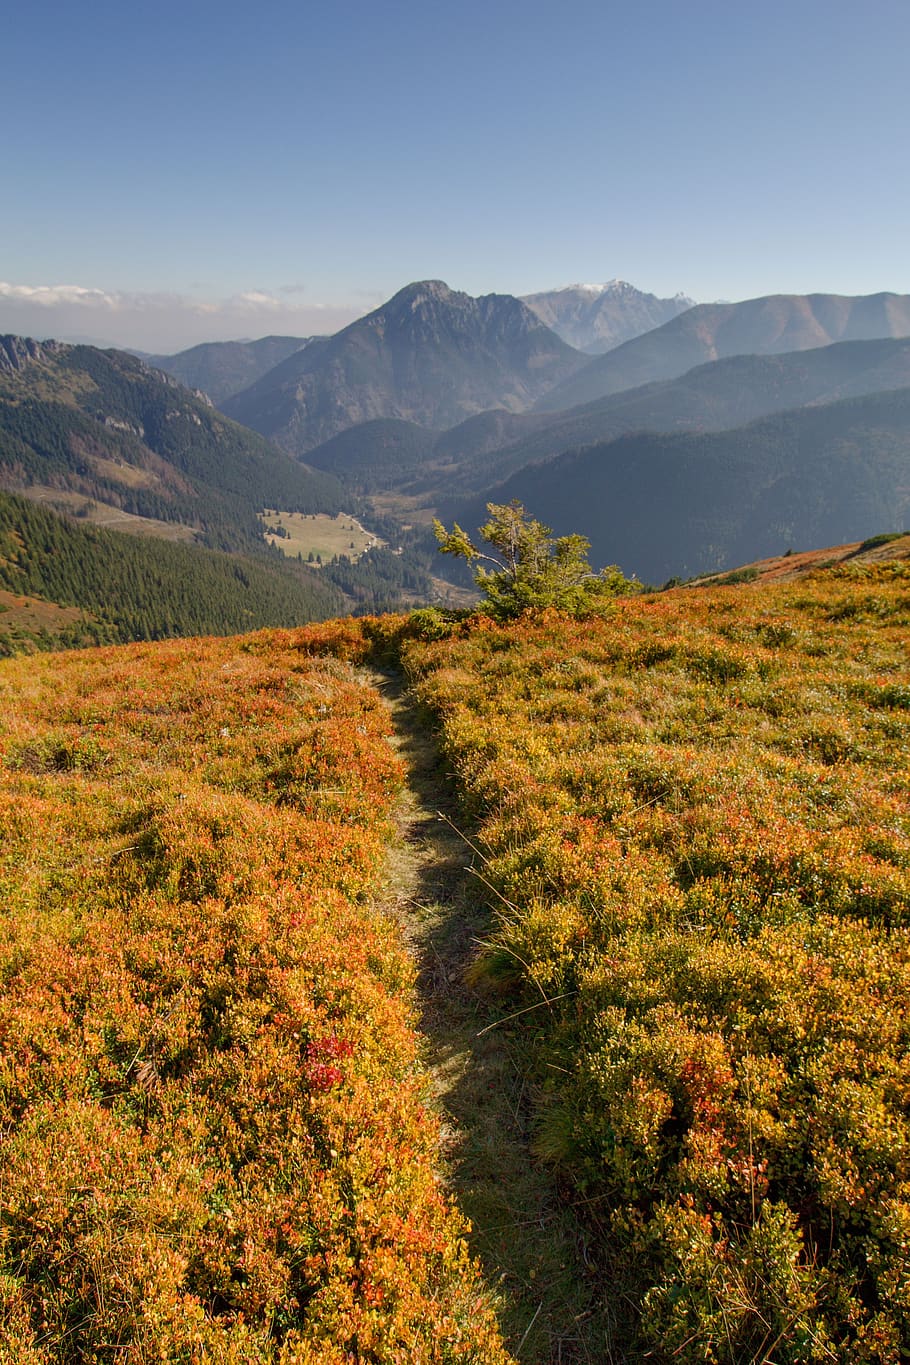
(697, 825)
(695, 821)
(215, 1139)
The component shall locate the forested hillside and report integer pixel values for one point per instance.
(103, 425)
(667, 506)
(132, 589)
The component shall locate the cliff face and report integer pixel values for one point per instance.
(18, 352)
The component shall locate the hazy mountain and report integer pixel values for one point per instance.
(488, 431)
(223, 368)
(389, 453)
(102, 425)
(713, 397)
(711, 331)
(376, 455)
(598, 317)
(666, 505)
(429, 355)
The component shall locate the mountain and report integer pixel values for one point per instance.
(374, 456)
(597, 317)
(101, 425)
(223, 368)
(713, 397)
(711, 331)
(429, 355)
(681, 505)
(390, 454)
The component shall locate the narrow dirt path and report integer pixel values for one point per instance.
(526, 1237)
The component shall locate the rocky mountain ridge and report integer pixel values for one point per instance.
(598, 317)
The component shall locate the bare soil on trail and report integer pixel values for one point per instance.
(525, 1232)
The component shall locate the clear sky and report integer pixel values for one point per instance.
(210, 170)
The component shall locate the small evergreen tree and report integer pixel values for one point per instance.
(531, 569)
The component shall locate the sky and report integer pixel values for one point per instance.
(175, 173)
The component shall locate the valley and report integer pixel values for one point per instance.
(694, 458)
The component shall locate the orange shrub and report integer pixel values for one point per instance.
(215, 1140)
(698, 810)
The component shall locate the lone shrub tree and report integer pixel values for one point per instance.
(529, 567)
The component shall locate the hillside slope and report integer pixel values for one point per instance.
(217, 1142)
(712, 397)
(222, 368)
(665, 505)
(711, 331)
(103, 425)
(429, 355)
(694, 819)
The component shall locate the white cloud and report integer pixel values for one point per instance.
(161, 321)
(254, 298)
(48, 295)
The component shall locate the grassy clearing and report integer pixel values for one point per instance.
(104, 514)
(318, 535)
(120, 472)
(34, 614)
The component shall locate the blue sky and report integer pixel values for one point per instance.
(283, 166)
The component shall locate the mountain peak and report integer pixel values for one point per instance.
(421, 291)
(599, 317)
(431, 355)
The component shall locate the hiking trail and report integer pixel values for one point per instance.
(524, 1232)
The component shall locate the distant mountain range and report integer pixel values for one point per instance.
(714, 397)
(389, 455)
(222, 368)
(729, 432)
(712, 331)
(429, 355)
(598, 317)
